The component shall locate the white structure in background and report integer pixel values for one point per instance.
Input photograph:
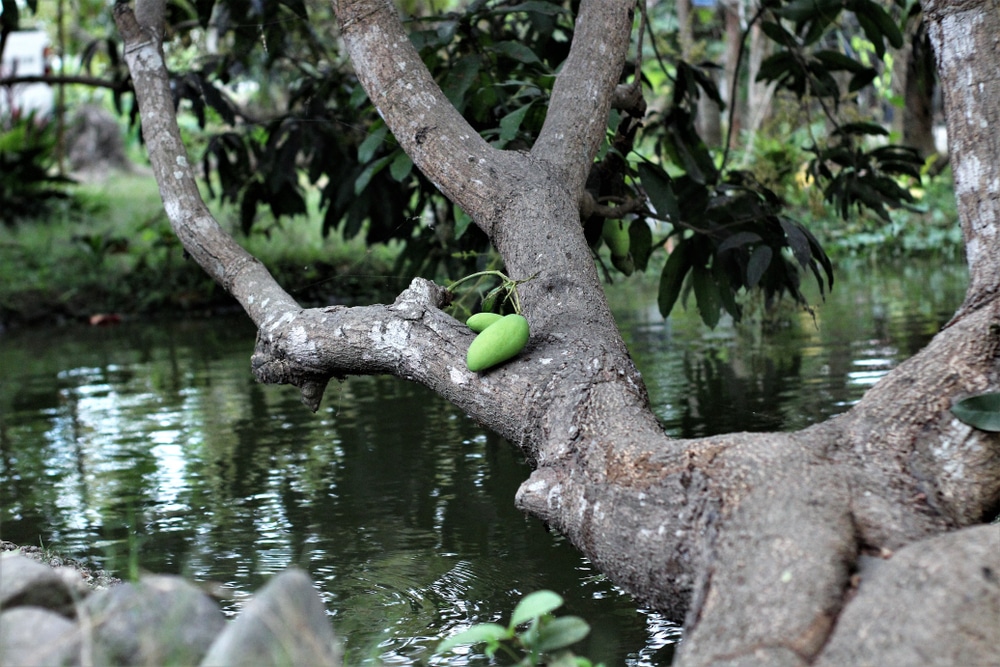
(26, 53)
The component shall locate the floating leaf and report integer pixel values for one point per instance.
(982, 411)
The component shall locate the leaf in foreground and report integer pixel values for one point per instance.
(982, 411)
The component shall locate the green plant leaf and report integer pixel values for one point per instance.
(560, 633)
(656, 182)
(366, 151)
(707, 294)
(401, 166)
(534, 605)
(640, 243)
(672, 279)
(511, 123)
(517, 51)
(760, 259)
(982, 411)
(477, 634)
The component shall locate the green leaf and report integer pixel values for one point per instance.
(797, 241)
(640, 243)
(560, 633)
(982, 411)
(862, 128)
(776, 32)
(760, 259)
(707, 294)
(401, 166)
(656, 183)
(511, 123)
(517, 51)
(477, 634)
(672, 279)
(536, 6)
(834, 60)
(366, 151)
(459, 80)
(534, 605)
(369, 172)
(736, 240)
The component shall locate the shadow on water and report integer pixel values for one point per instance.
(150, 445)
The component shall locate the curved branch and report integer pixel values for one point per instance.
(581, 97)
(241, 274)
(93, 81)
(428, 127)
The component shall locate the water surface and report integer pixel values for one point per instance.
(149, 445)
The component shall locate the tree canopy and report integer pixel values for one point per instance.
(285, 112)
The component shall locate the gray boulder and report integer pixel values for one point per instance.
(285, 624)
(159, 620)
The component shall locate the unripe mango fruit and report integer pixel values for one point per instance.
(480, 321)
(497, 343)
(615, 234)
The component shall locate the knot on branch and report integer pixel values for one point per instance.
(272, 365)
(418, 297)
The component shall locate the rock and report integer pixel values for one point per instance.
(93, 579)
(95, 143)
(24, 582)
(285, 624)
(32, 636)
(159, 620)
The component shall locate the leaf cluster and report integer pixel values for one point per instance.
(28, 186)
(310, 125)
(534, 635)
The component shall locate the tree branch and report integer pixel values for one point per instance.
(581, 97)
(93, 81)
(428, 127)
(241, 274)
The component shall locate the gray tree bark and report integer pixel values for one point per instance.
(785, 548)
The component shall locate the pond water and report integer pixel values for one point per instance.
(149, 446)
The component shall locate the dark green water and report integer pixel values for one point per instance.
(150, 444)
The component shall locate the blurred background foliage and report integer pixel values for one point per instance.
(769, 136)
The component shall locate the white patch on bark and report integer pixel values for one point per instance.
(545, 362)
(457, 376)
(554, 497)
(300, 340)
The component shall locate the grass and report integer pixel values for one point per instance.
(111, 250)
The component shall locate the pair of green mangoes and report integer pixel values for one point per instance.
(500, 338)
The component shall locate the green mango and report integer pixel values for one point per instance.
(480, 321)
(615, 234)
(497, 343)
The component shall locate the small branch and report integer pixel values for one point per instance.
(590, 207)
(93, 81)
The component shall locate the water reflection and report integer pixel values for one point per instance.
(152, 442)
(788, 373)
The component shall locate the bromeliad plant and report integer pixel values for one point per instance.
(544, 639)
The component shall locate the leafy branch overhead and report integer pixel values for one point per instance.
(309, 124)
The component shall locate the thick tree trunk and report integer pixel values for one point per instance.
(777, 549)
